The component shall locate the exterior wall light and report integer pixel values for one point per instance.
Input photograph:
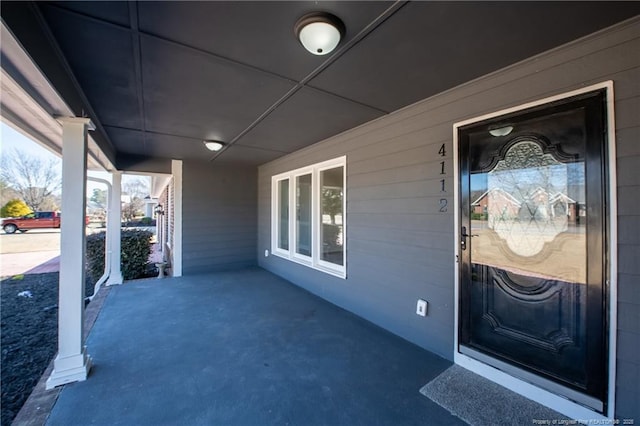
(213, 145)
(319, 32)
(158, 210)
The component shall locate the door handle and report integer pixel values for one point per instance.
(463, 238)
(464, 233)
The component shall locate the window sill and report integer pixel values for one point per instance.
(340, 273)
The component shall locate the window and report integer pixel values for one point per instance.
(332, 200)
(303, 215)
(283, 215)
(314, 197)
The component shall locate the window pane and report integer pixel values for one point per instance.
(283, 214)
(332, 226)
(303, 215)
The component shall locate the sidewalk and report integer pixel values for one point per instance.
(29, 263)
(41, 262)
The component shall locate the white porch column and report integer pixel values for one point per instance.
(113, 229)
(176, 171)
(72, 362)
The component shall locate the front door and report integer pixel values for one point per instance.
(533, 245)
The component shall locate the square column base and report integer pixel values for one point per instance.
(70, 369)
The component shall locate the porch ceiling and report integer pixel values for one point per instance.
(159, 77)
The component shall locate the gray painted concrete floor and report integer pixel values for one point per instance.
(244, 348)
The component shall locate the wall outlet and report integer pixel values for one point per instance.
(421, 307)
(266, 253)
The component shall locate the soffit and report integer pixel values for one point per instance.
(161, 77)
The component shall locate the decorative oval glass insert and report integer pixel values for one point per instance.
(527, 202)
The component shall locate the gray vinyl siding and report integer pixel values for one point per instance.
(219, 217)
(401, 248)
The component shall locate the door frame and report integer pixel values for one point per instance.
(528, 390)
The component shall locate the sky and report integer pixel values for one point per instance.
(11, 139)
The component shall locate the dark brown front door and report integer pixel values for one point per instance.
(533, 257)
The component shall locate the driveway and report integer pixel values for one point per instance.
(36, 251)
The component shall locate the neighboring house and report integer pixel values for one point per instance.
(562, 204)
(497, 202)
(375, 147)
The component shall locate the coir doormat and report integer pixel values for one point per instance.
(480, 402)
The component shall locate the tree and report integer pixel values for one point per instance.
(6, 192)
(97, 204)
(137, 189)
(51, 203)
(34, 179)
(14, 208)
(99, 198)
(131, 210)
(332, 202)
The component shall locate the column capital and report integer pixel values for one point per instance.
(77, 120)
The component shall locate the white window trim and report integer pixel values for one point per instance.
(314, 261)
(275, 210)
(293, 233)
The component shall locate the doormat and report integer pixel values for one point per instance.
(479, 401)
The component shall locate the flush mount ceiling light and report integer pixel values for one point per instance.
(501, 130)
(319, 32)
(213, 145)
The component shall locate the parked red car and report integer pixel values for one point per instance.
(34, 220)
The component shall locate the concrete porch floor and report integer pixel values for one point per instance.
(244, 348)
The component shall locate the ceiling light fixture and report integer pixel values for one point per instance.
(319, 32)
(500, 131)
(213, 145)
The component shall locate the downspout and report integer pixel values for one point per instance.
(107, 242)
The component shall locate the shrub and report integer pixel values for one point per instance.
(478, 216)
(136, 248)
(135, 251)
(145, 221)
(95, 255)
(14, 208)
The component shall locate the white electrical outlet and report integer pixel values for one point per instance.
(421, 308)
(266, 253)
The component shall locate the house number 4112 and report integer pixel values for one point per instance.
(443, 201)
